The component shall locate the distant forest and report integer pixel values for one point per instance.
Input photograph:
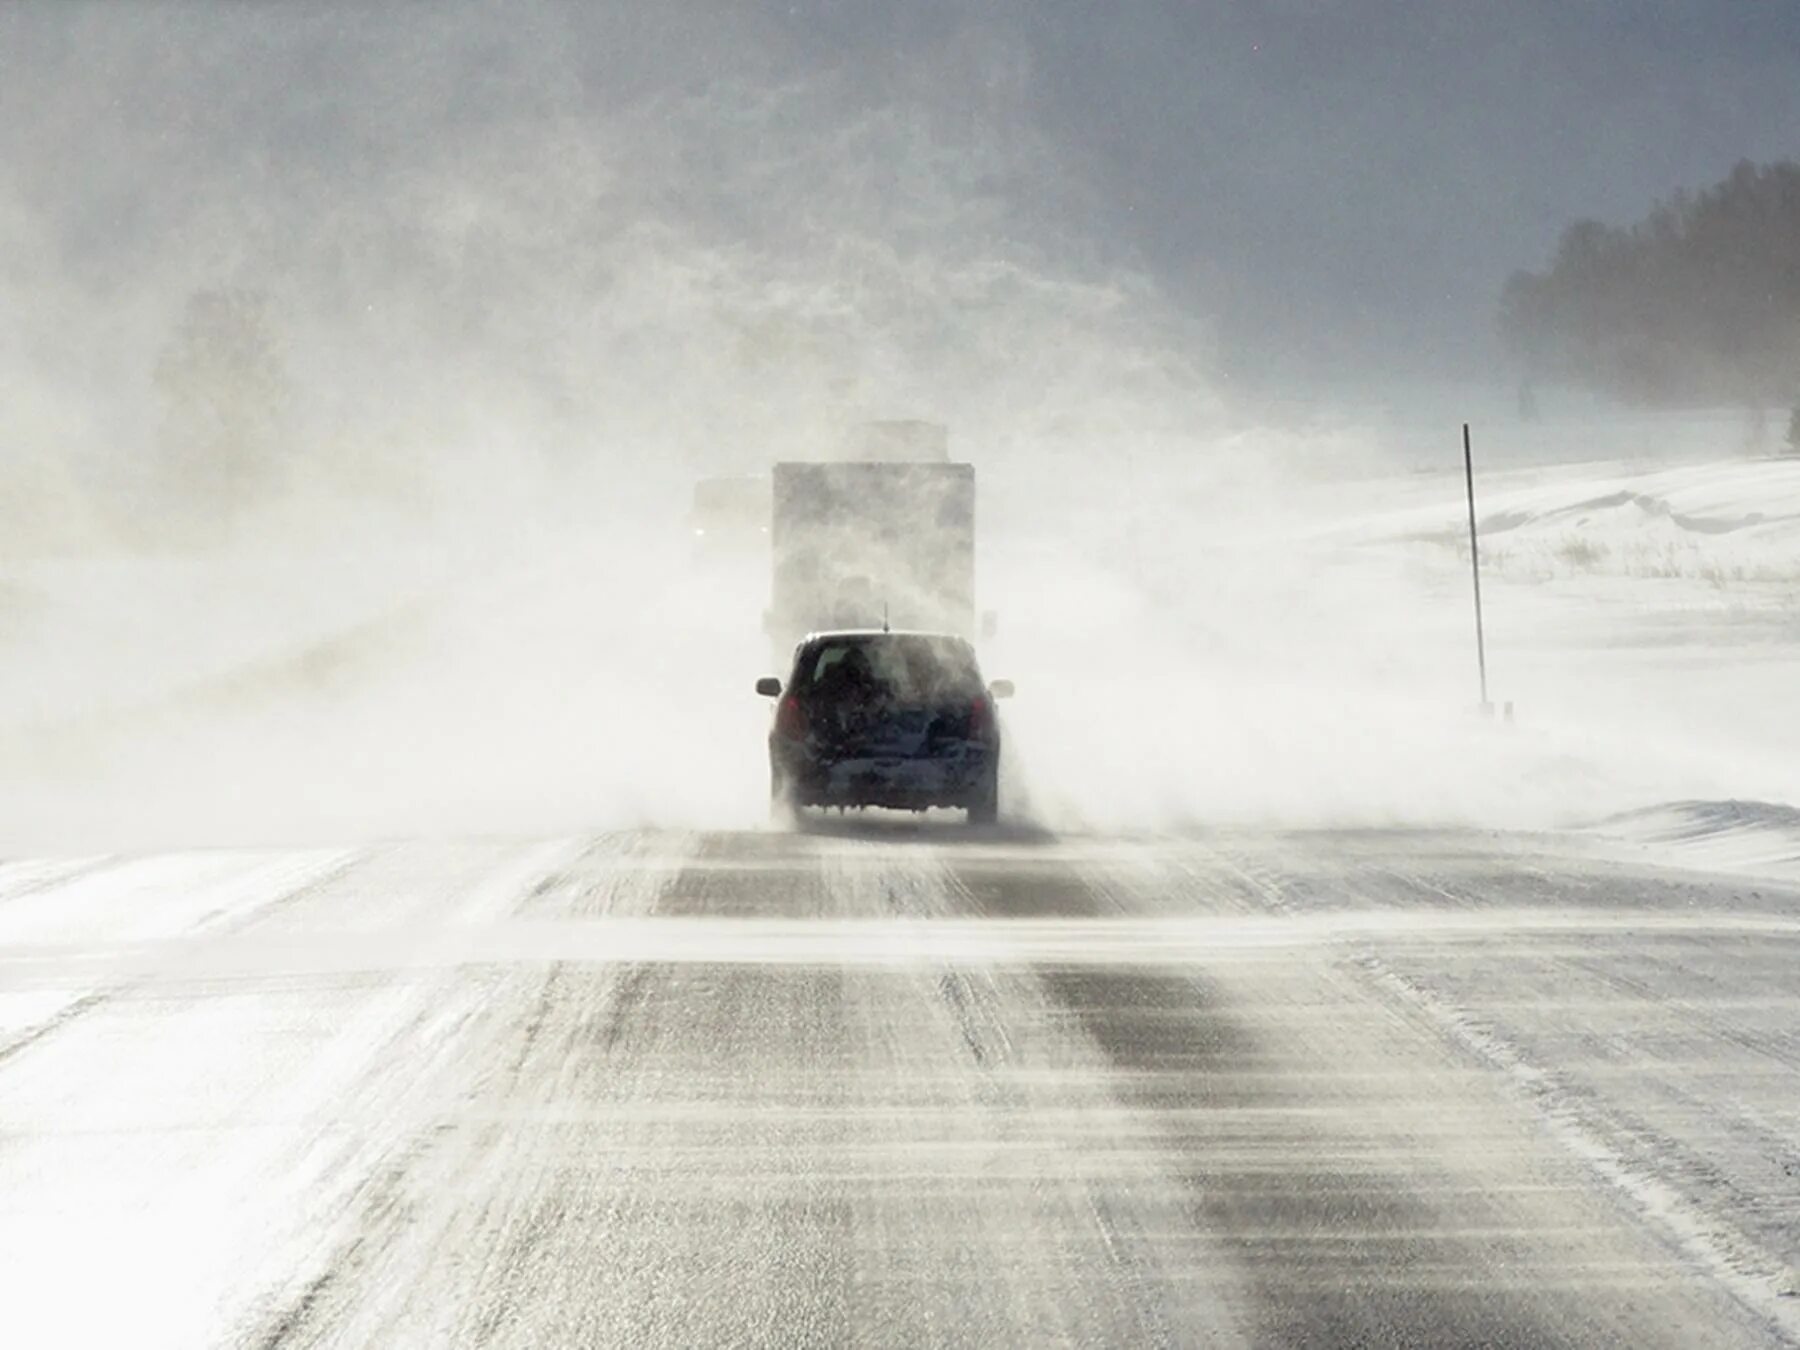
(1698, 304)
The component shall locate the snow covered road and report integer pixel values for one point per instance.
(886, 1084)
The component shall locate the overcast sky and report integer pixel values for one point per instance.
(1334, 191)
(1354, 178)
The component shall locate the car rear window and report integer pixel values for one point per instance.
(904, 666)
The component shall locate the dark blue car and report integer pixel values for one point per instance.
(899, 720)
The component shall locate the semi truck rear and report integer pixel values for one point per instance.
(871, 545)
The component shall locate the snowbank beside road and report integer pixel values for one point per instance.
(1717, 522)
(1756, 838)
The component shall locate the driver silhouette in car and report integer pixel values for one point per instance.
(854, 676)
(849, 687)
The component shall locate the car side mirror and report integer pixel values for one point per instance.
(1001, 689)
(769, 687)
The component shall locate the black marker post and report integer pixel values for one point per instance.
(1487, 709)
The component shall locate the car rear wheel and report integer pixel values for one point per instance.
(985, 808)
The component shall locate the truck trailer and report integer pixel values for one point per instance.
(871, 545)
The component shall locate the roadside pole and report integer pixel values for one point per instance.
(1487, 709)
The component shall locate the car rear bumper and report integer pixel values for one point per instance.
(898, 784)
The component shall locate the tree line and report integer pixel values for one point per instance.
(1696, 305)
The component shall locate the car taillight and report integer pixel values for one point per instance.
(790, 719)
(981, 718)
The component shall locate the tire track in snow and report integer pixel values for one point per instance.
(1585, 1127)
(384, 1200)
(1760, 1280)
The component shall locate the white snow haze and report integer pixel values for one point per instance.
(357, 364)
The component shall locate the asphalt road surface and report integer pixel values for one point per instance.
(899, 1084)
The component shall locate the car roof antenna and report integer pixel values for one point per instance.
(884, 619)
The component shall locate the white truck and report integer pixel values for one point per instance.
(729, 516)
